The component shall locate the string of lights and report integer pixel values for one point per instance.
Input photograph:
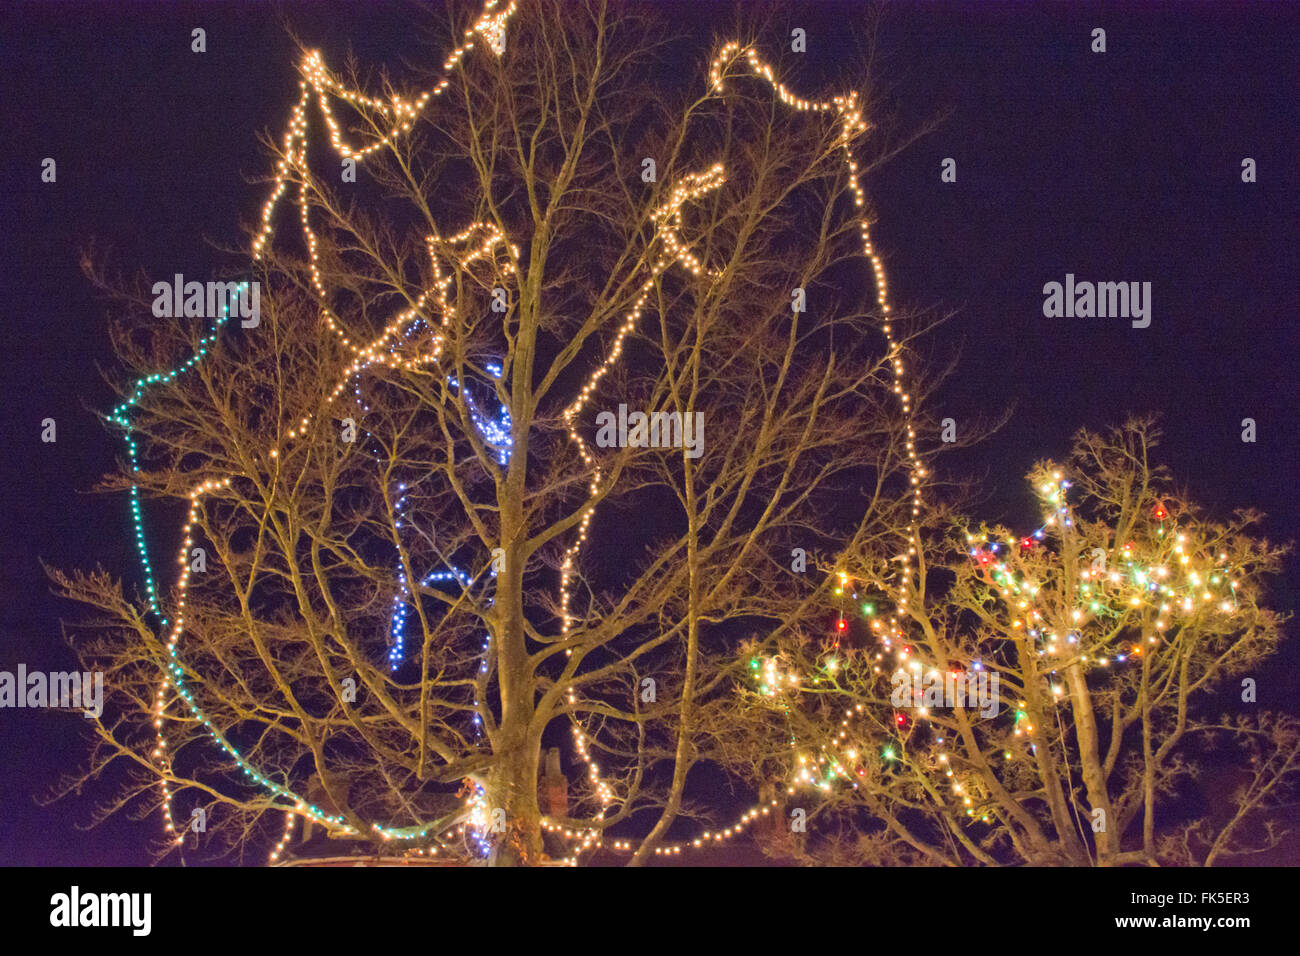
(846, 109)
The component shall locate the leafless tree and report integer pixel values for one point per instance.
(1116, 633)
(502, 272)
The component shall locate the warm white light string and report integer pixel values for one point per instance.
(850, 116)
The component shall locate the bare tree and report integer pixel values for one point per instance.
(421, 553)
(1041, 698)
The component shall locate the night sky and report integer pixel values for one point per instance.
(1123, 166)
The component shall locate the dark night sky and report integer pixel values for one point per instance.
(1122, 166)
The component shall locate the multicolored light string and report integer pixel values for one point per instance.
(1173, 583)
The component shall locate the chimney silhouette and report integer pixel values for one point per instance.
(554, 795)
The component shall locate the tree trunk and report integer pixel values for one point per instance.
(512, 782)
(512, 788)
(1085, 728)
